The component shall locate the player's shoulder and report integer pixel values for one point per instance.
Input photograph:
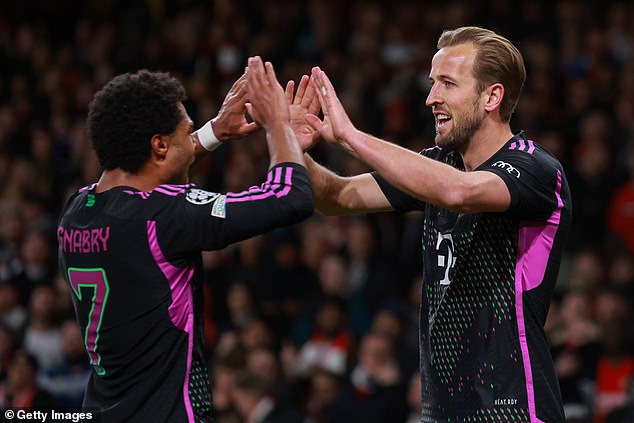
(161, 192)
(160, 198)
(130, 203)
(175, 198)
(78, 199)
(521, 152)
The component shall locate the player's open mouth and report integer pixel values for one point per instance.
(442, 120)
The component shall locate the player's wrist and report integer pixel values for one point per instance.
(348, 135)
(277, 125)
(349, 140)
(207, 136)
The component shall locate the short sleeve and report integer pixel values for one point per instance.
(399, 200)
(532, 176)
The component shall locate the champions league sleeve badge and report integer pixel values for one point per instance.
(201, 197)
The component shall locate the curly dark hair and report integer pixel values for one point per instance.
(125, 114)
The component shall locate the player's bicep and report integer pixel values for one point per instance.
(532, 183)
(396, 199)
(483, 192)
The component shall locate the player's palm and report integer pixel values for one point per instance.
(327, 130)
(304, 102)
(306, 135)
(336, 125)
(335, 121)
(267, 104)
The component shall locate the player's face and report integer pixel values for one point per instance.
(181, 152)
(457, 105)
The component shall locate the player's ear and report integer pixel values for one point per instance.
(159, 145)
(495, 94)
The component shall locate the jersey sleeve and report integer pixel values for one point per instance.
(399, 200)
(209, 221)
(531, 178)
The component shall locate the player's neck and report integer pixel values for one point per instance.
(485, 143)
(117, 177)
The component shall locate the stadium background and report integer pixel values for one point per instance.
(292, 310)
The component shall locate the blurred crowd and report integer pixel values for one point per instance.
(316, 322)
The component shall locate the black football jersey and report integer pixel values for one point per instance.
(133, 262)
(488, 282)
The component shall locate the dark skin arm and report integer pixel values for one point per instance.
(267, 105)
(231, 122)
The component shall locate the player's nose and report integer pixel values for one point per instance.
(433, 96)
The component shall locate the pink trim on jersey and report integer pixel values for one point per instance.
(88, 187)
(522, 146)
(534, 246)
(171, 190)
(287, 183)
(180, 310)
(264, 187)
(189, 328)
(267, 189)
(143, 195)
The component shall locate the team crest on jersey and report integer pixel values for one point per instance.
(218, 208)
(201, 197)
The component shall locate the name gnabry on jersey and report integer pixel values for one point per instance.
(72, 240)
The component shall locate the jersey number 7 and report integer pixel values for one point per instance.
(83, 282)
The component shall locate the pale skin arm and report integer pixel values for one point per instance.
(423, 178)
(336, 195)
(333, 194)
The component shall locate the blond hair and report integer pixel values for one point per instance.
(497, 61)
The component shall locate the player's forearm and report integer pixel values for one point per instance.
(328, 190)
(323, 182)
(282, 144)
(421, 177)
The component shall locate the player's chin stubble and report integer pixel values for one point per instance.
(461, 132)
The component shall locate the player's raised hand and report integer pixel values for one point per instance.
(303, 103)
(231, 121)
(336, 125)
(267, 103)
